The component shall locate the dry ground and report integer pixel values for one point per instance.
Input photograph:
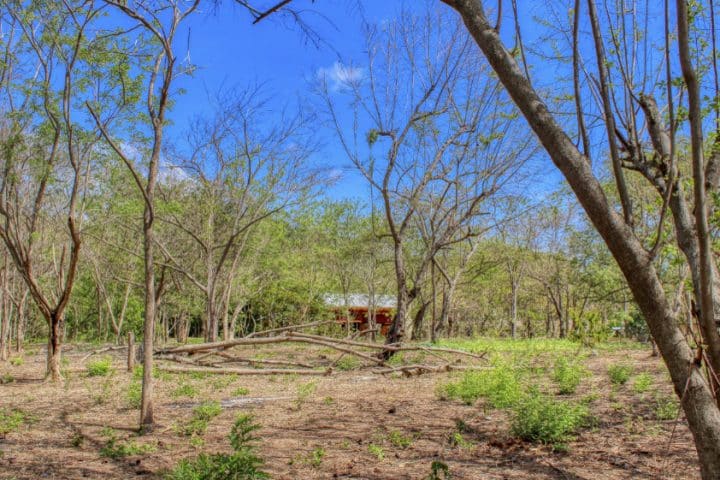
(342, 418)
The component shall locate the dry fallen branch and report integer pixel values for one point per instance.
(244, 371)
(103, 350)
(289, 328)
(409, 370)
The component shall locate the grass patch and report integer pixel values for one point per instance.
(568, 375)
(240, 391)
(399, 440)
(134, 394)
(99, 368)
(500, 385)
(666, 408)
(202, 414)
(619, 374)
(376, 451)
(184, 390)
(347, 363)
(304, 392)
(542, 419)
(242, 464)
(642, 383)
(12, 420)
(116, 449)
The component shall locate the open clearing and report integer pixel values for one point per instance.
(353, 425)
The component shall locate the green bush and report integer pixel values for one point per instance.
(116, 449)
(399, 440)
(500, 385)
(347, 363)
(642, 383)
(538, 418)
(242, 464)
(134, 394)
(99, 368)
(184, 390)
(619, 374)
(11, 420)
(666, 408)
(202, 414)
(568, 376)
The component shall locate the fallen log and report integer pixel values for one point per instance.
(227, 358)
(103, 350)
(289, 328)
(244, 371)
(416, 369)
(394, 348)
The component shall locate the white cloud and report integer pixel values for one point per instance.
(339, 75)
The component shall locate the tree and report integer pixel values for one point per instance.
(635, 261)
(160, 22)
(446, 136)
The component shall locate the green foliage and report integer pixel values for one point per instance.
(202, 414)
(642, 383)
(568, 375)
(500, 385)
(115, 448)
(242, 464)
(304, 392)
(12, 420)
(377, 451)
(99, 368)
(17, 361)
(347, 363)
(666, 408)
(184, 390)
(399, 440)
(538, 418)
(439, 471)
(619, 374)
(134, 394)
(6, 378)
(240, 391)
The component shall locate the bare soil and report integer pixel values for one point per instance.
(341, 418)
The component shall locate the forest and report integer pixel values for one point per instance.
(372, 240)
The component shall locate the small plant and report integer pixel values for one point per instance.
(242, 464)
(6, 378)
(328, 400)
(619, 374)
(12, 420)
(315, 457)
(538, 418)
(134, 394)
(666, 408)
(202, 414)
(567, 376)
(240, 391)
(377, 451)
(184, 390)
(643, 382)
(347, 363)
(500, 385)
(399, 440)
(105, 392)
(99, 368)
(115, 449)
(77, 440)
(223, 381)
(436, 469)
(304, 392)
(17, 361)
(457, 439)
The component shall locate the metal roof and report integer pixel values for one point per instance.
(359, 300)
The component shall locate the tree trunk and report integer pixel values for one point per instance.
(691, 387)
(513, 307)
(54, 353)
(146, 403)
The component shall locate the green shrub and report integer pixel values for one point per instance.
(377, 451)
(619, 374)
(567, 376)
(202, 414)
(134, 394)
(666, 408)
(17, 361)
(436, 469)
(347, 363)
(304, 392)
(500, 385)
(538, 418)
(642, 383)
(240, 391)
(184, 390)
(11, 420)
(99, 368)
(116, 449)
(242, 464)
(399, 440)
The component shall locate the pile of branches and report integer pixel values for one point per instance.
(227, 357)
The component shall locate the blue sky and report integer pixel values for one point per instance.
(230, 51)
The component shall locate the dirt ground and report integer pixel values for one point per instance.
(346, 420)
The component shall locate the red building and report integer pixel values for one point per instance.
(357, 308)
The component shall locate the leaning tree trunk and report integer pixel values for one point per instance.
(702, 413)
